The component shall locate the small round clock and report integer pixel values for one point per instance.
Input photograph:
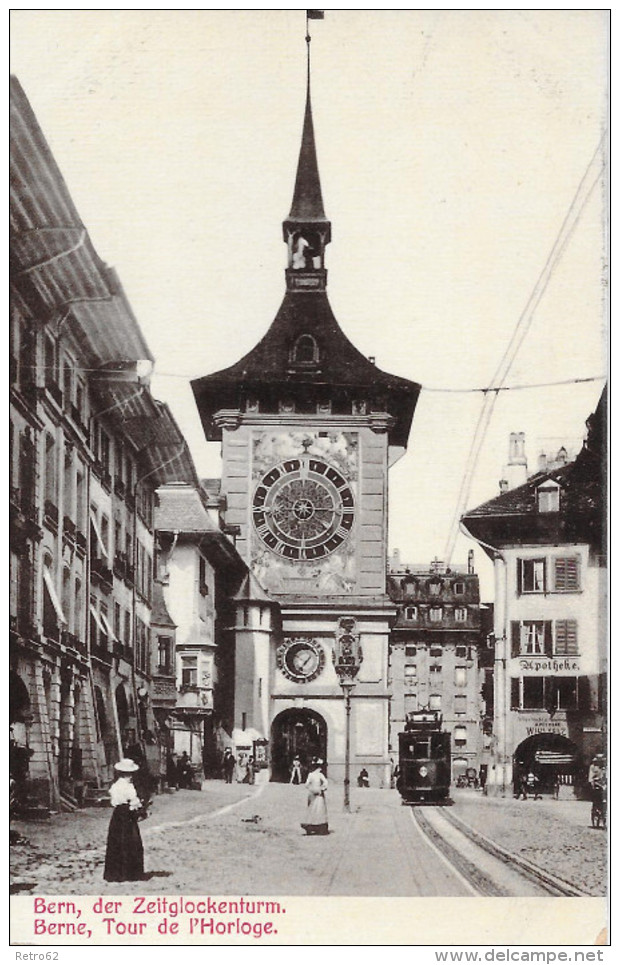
(300, 659)
(303, 509)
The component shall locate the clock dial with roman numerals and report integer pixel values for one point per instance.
(303, 509)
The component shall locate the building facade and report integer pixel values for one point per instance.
(88, 447)
(199, 573)
(309, 428)
(435, 650)
(547, 541)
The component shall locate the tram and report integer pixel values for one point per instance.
(424, 763)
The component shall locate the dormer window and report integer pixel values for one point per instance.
(548, 497)
(305, 351)
(408, 586)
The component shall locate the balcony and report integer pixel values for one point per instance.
(120, 566)
(68, 529)
(103, 474)
(72, 641)
(80, 543)
(55, 391)
(123, 651)
(50, 514)
(76, 418)
(52, 630)
(194, 698)
(100, 652)
(101, 571)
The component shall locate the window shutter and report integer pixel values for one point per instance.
(548, 637)
(514, 693)
(584, 697)
(560, 637)
(515, 638)
(519, 577)
(566, 638)
(567, 573)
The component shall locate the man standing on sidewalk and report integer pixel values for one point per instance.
(228, 765)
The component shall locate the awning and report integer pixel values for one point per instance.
(51, 589)
(108, 629)
(553, 757)
(98, 620)
(95, 526)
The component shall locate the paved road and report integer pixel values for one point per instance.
(232, 839)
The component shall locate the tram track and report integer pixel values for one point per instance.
(489, 869)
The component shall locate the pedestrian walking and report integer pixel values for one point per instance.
(228, 765)
(185, 771)
(249, 771)
(316, 812)
(172, 771)
(124, 858)
(296, 777)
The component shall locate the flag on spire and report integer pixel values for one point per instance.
(315, 14)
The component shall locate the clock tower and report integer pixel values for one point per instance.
(309, 428)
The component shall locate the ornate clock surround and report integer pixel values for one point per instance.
(301, 659)
(303, 509)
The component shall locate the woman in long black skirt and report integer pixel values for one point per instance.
(124, 858)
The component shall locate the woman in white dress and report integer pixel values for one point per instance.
(316, 813)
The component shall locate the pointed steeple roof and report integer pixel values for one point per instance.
(307, 198)
(276, 370)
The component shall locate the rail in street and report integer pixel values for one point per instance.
(489, 869)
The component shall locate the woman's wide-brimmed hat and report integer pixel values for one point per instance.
(317, 762)
(126, 766)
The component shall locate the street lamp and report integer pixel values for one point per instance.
(348, 658)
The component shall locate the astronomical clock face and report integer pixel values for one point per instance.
(303, 509)
(300, 659)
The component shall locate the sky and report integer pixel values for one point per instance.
(451, 145)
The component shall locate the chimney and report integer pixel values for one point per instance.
(516, 449)
(515, 472)
(562, 456)
(542, 462)
(503, 486)
(470, 562)
(395, 561)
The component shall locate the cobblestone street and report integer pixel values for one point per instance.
(232, 839)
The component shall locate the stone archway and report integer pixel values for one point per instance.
(301, 733)
(553, 758)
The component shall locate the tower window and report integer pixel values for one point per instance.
(305, 350)
(306, 252)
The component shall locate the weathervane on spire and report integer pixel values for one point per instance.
(312, 15)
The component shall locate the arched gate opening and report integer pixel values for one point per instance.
(296, 733)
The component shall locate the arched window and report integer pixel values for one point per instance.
(305, 251)
(305, 350)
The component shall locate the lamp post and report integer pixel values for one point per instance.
(348, 658)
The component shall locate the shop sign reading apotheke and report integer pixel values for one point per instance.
(539, 666)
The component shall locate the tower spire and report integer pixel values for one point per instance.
(307, 230)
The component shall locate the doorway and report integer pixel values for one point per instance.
(296, 733)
